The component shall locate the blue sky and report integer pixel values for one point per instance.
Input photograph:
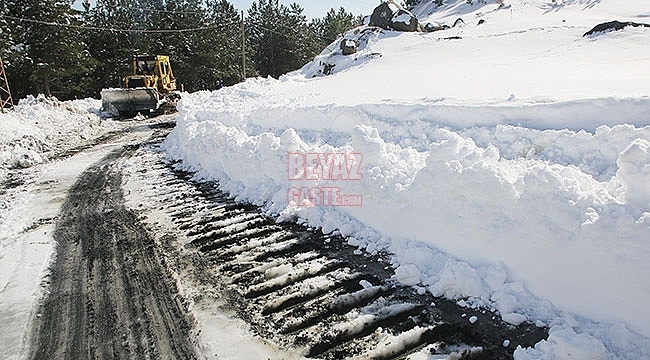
(313, 8)
(318, 8)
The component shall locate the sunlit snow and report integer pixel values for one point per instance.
(505, 164)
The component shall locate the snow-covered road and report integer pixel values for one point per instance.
(311, 293)
(34, 203)
(28, 245)
(109, 294)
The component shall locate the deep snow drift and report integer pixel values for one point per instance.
(505, 164)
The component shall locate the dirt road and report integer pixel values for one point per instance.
(109, 294)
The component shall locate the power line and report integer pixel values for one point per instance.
(158, 31)
(162, 11)
(295, 32)
(99, 28)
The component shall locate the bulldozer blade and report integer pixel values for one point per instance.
(128, 102)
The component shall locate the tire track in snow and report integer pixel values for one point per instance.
(109, 294)
(314, 293)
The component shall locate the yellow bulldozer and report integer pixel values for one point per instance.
(149, 90)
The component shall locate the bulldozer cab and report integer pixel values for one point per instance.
(145, 67)
(151, 71)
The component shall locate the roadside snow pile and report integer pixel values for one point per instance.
(40, 126)
(509, 168)
(529, 222)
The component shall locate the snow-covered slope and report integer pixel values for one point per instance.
(506, 164)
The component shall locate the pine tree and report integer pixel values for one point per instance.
(303, 42)
(112, 49)
(261, 17)
(47, 55)
(182, 47)
(280, 37)
(335, 23)
(222, 48)
(7, 43)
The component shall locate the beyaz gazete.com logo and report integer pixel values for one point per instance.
(329, 167)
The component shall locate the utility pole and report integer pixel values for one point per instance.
(243, 47)
(5, 93)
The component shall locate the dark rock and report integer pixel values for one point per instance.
(349, 47)
(404, 20)
(328, 68)
(383, 14)
(612, 26)
(390, 16)
(431, 27)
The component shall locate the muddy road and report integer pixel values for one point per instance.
(112, 291)
(108, 295)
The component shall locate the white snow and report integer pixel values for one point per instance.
(395, 344)
(41, 126)
(29, 136)
(505, 165)
(404, 18)
(508, 167)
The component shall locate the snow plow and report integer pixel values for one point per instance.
(150, 89)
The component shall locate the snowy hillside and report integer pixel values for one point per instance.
(505, 163)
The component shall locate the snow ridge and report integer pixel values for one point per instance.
(515, 179)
